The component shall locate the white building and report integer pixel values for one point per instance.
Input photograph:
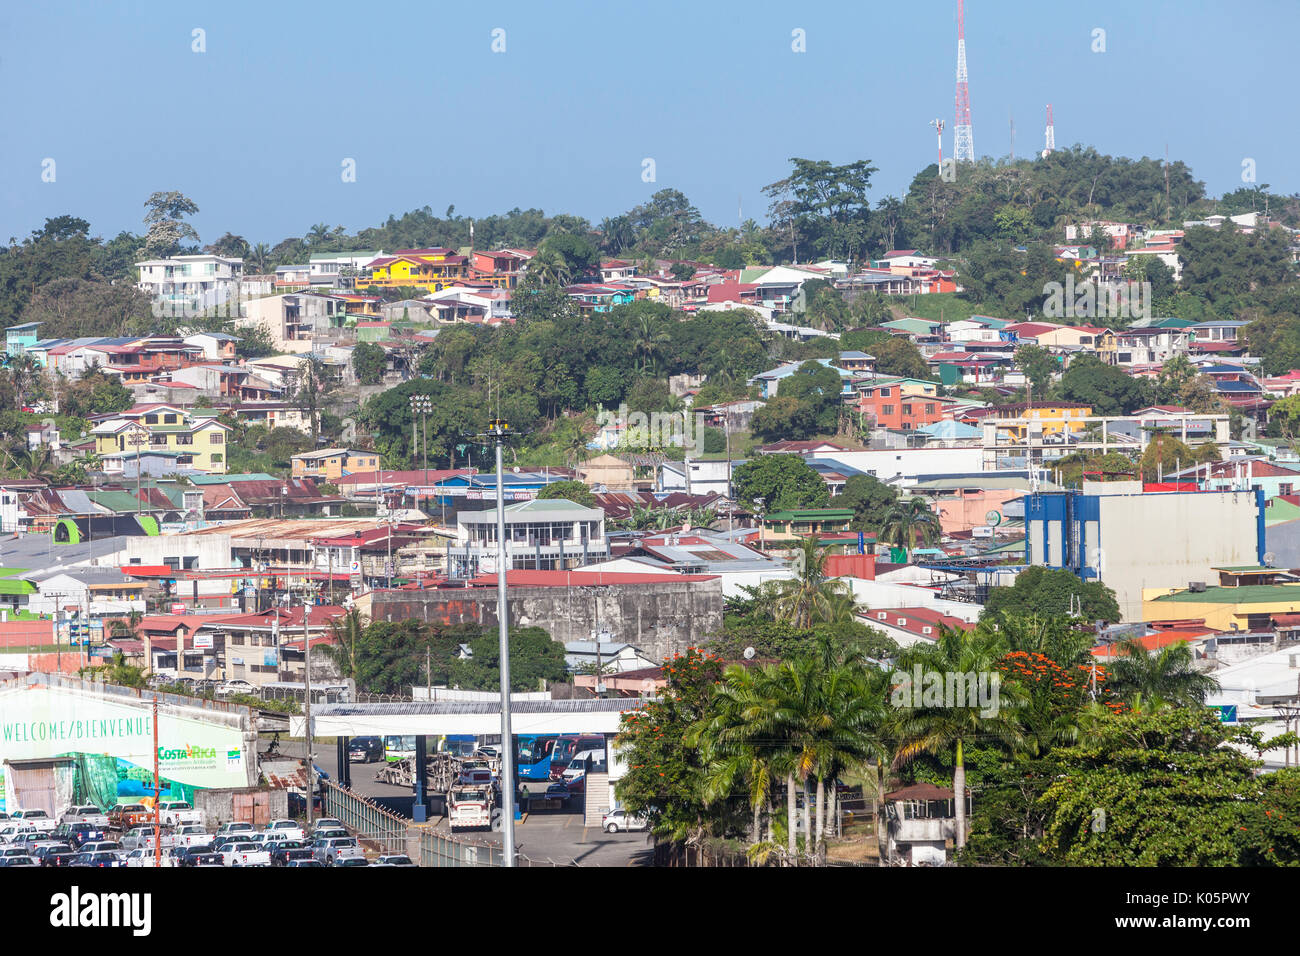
(191, 283)
(546, 535)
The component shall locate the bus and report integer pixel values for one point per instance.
(398, 748)
(571, 744)
(533, 755)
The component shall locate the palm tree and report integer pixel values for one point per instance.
(910, 523)
(647, 343)
(1167, 675)
(811, 597)
(260, 253)
(924, 727)
(35, 463)
(548, 267)
(346, 632)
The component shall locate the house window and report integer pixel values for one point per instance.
(929, 408)
(886, 409)
(884, 393)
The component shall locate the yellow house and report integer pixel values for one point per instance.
(1084, 336)
(198, 442)
(331, 464)
(428, 269)
(1054, 417)
(1245, 599)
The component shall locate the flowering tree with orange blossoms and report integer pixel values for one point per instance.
(665, 778)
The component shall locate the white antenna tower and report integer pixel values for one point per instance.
(963, 141)
(1049, 144)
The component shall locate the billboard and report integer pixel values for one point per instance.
(41, 722)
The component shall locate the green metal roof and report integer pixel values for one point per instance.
(1246, 594)
(806, 514)
(227, 479)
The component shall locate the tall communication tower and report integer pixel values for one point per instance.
(963, 143)
(938, 127)
(1049, 146)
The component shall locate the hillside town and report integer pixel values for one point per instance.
(952, 528)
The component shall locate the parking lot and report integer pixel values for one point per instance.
(557, 835)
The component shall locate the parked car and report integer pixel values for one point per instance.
(45, 849)
(60, 855)
(352, 861)
(236, 686)
(309, 861)
(103, 846)
(394, 859)
(144, 856)
(37, 818)
(13, 829)
(23, 860)
(232, 827)
(332, 849)
(188, 834)
(297, 855)
(208, 859)
(13, 851)
(176, 812)
(330, 833)
(185, 854)
(143, 836)
(126, 815)
(102, 858)
(79, 834)
(365, 749)
(281, 852)
(327, 823)
(617, 820)
(85, 813)
(287, 829)
(245, 854)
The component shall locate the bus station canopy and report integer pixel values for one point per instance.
(481, 718)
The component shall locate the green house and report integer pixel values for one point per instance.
(806, 521)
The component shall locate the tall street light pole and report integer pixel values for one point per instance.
(421, 405)
(497, 429)
(308, 593)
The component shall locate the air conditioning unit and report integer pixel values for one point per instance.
(1196, 587)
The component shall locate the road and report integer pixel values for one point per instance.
(558, 835)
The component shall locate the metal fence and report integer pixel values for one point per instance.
(366, 819)
(440, 849)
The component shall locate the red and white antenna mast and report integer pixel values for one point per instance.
(1049, 146)
(963, 143)
(938, 126)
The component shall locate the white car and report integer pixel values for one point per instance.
(190, 834)
(226, 829)
(13, 829)
(144, 856)
(617, 820)
(232, 687)
(13, 850)
(176, 812)
(328, 823)
(103, 846)
(245, 853)
(285, 830)
(37, 818)
(394, 859)
(85, 813)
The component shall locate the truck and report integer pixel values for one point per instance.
(176, 812)
(469, 806)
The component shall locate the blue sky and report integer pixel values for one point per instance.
(256, 128)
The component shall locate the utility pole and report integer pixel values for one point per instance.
(157, 838)
(307, 594)
(498, 429)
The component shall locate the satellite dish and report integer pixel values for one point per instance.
(1269, 558)
(749, 653)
